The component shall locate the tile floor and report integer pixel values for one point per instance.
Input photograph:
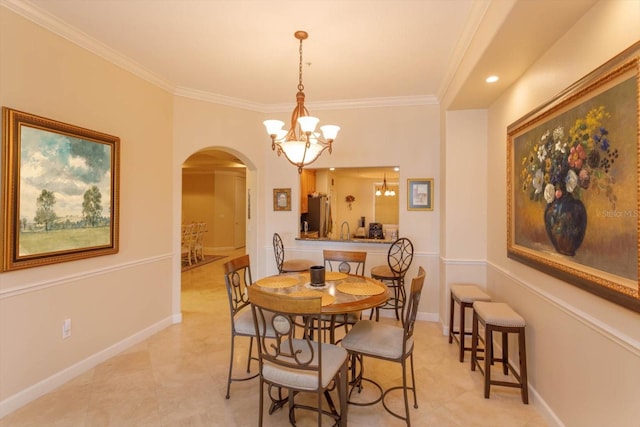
(178, 378)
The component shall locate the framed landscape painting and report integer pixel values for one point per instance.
(60, 191)
(573, 183)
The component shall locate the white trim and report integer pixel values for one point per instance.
(450, 261)
(586, 319)
(47, 385)
(37, 286)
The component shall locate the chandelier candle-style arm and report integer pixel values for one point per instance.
(301, 144)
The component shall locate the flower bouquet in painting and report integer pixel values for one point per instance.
(563, 165)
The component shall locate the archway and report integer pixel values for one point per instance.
(231, 170)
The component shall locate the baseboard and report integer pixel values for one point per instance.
(47, 385)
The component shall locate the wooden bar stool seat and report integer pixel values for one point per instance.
(499, 317)
(465, 295)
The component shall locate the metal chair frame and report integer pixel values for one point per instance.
(408, 324)
(290, 266)
(399, 259)
(289, 352)
(237, 277)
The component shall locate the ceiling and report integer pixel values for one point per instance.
(376, 52)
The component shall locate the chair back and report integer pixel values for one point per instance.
(400, 256)
(411, 308)
(278, 250)
(351, 262)
(237, 277)
(283, 313)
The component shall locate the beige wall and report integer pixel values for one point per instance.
(107, 298)
(584, 352)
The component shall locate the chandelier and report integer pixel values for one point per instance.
(385, 189)
(301, 144)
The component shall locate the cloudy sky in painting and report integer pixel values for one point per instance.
(66, 166)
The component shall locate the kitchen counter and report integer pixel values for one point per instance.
(352, 240)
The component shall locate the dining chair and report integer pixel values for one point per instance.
(297, 361)
(186, 244)
(198, 241)
(237, 277)
(369, 338)
(392, 273)
(350, 262)
(288, 266)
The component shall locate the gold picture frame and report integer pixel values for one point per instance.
(420, 194)
(60, 192)
(573, 192)
(281, 199)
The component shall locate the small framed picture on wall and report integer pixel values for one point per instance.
(281, 199)
(420, 194)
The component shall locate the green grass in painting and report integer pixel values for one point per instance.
(41, 242)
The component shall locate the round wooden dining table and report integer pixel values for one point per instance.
(341, 293)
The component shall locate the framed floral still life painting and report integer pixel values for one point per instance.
(60, 191)
(573, 183)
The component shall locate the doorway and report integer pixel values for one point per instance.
(213, 192)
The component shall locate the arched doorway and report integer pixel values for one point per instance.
(214, 192)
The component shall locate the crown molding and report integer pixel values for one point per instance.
(75, 36)
(59, 27)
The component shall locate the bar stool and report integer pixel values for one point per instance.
(465, 296)
(499, 317)
(392, 274)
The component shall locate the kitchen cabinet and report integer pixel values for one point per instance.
(307, 186)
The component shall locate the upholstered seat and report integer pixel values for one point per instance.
(394, 343)
(499, 317)
(294, 360)
(465, 295)
(291, 265)
(237, 279)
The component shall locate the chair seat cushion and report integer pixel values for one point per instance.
(243, 323)
(382, 272)
(469, 293)
(376, 339)
(341, 319)
(333, 357)
(498, 314)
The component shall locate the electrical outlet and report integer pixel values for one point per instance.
(66, 328)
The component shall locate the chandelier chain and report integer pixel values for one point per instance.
(300, 85)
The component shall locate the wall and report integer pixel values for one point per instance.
(583, 351)
(107, 298)
(463, 226)
(408, 137)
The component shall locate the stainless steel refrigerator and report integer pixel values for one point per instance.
(318, 215)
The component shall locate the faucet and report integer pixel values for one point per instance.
(344, 236)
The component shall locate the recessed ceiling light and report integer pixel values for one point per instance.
(397, 169)
(492, 79)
